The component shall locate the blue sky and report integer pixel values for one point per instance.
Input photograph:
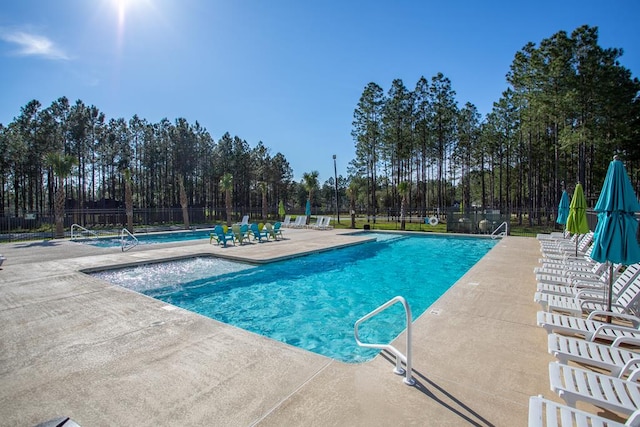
(288, 73)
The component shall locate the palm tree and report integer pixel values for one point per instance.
(403, 189)
(61, 165)
(310, 183)
(226, 182)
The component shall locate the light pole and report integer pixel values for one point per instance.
(335, 174)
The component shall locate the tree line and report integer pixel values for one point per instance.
(568, 108)
(168, 164)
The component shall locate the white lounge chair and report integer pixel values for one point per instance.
(559, 243)
(586, 301)
(287, 221)
(569, 259)
(300, 221)
(322, 223)
(571, 239)
(546, 413)
(554, 244)
(326, 225)
(567, 274)
(596, 285)
(318, 224)
(590, 328)
(560, 251)
(567, 270)
(618, 361)
(553, 236)
(575, 384)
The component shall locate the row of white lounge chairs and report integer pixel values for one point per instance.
(571, 291)
(322, 222)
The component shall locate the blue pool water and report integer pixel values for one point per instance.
(152, 238)
(313, 301)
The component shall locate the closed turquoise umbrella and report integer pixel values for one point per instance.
(307, 211)
(563, 208)
(577, 219)
(615, 235)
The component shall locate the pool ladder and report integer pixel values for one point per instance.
(83, 232)
(497, 233)
(127, 240)
(398, 370)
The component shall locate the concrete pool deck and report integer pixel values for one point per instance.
(72, 345)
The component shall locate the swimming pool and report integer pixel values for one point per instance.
(313, 301)
(151, 238)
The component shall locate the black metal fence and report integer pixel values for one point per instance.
(36, 226)
(476, 221)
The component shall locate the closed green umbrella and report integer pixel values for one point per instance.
(563, 208)
(281, 209)
(577, 219)
(615, 235)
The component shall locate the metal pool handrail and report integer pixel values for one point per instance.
(495, 233)
(399, 356)
(84, 232)
(127, 240)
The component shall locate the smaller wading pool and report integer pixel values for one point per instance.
(151, 238)
(313, 301)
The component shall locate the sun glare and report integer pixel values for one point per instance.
(122, 6)
(131, 13)
(125, 7)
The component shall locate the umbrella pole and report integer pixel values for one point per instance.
(610, 290)
(577, 238)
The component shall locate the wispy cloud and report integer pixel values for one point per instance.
(30, 44)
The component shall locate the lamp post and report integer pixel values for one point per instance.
(335, 174)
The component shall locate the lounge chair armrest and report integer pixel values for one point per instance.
(589, 295)
(595, 287)
(634, 320)
(588, 300)
(634, 419)
(601, 328)
(583, 282)
(632, 366)
(624, 309)
(626, 340)
(634, 375)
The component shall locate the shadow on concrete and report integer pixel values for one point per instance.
(39, 244)
(438, 394)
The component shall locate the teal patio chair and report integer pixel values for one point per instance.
(277, 229)
(257, 234)
(220, 236)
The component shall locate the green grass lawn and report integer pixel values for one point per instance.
(384, 224)
(524, 230)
